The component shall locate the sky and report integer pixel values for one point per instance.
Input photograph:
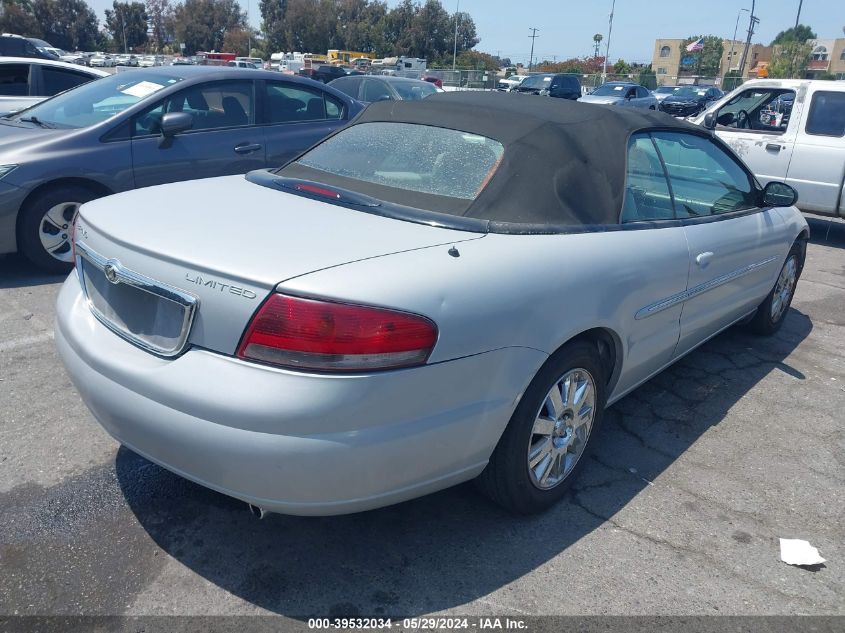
(566, 27)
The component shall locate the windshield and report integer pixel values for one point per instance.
(411, 157)
(689, 92)
(611, 90)
(536, 81)
(414, 90)
(98, 100)
(664, 90)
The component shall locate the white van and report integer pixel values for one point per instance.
(792, 130)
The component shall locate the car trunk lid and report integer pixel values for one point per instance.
(227, 243)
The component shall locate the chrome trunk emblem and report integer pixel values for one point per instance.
(110, 271)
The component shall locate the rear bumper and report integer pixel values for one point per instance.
(291, 442)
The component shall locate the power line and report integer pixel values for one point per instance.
(533, 37)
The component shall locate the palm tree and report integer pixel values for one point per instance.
(597, 38)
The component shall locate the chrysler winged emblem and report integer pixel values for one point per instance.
(110, 271)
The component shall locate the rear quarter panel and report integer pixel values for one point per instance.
(534, 291)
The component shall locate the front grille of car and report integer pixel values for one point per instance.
(678, 109)
(150, 314)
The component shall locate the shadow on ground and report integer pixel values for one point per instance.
(826, 232)
(17, 272)
(453, 547)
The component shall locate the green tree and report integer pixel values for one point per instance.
(467, 34)
(273, 24)
(621, 67)
(157, 14)
(800, 33)
(704, 62)
(790, 59)
(202, 24)
(16, 17)
(127, 23)
(647, 78)
(66, 24)
(477, 60)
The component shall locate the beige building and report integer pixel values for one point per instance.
(828, 56)
(666, 61)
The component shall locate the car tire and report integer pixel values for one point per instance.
(771, 314)
(513, 476)
(45, 220)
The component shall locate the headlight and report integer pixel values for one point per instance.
(6, 169)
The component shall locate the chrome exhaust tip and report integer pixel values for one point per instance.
(257, 512)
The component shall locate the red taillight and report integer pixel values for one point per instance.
(327, 336)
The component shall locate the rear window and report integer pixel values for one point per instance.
(408, 156)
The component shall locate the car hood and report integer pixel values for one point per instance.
(595, 99)
(689, 100)
(23, 138)
(240, 230)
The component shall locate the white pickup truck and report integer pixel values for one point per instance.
(791, 130)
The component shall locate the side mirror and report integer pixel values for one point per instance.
(175, 122)
(710, 120)
(779, 194)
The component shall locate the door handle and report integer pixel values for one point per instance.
(774, 147)
(247, 148)
(703, 259)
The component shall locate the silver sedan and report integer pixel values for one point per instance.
(424, 298)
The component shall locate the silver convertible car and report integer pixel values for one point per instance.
(445, 290)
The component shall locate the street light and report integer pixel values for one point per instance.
(607, 49)
(733, 40)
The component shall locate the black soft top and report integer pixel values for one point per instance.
(563, 164)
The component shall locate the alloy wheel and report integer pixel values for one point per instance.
(54, 230)
(561, 428)
(784, 288)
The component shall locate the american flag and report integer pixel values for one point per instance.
(696, 46)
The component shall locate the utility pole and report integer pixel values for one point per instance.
(798, 16)
(607, 49)
(533, 37)
(733, 40)
(455, 50)
(751, 22)
(249, 31)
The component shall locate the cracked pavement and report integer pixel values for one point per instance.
(695, 476)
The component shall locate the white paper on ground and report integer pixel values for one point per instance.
(794, 551)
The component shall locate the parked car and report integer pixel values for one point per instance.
(24, 81)
(661, 92)
(147, 61)
(182, 61)
(369, 88)
(790, 130)
(562, 86)
(126, 60)
(508, 83)
(689, 100)
(364, 378)
(242, 64)
(101, 60)
(326, 72)
(257, 61)
(147, 127)
(17, 46)
(622, 94)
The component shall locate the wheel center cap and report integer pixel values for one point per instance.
(562, 426)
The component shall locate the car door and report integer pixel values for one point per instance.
(223, 140)
(817, 168)
(296, 116)
(657, 243)
(760, 126)
(644, 98)
(736, 248)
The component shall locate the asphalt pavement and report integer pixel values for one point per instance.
(695, 477)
